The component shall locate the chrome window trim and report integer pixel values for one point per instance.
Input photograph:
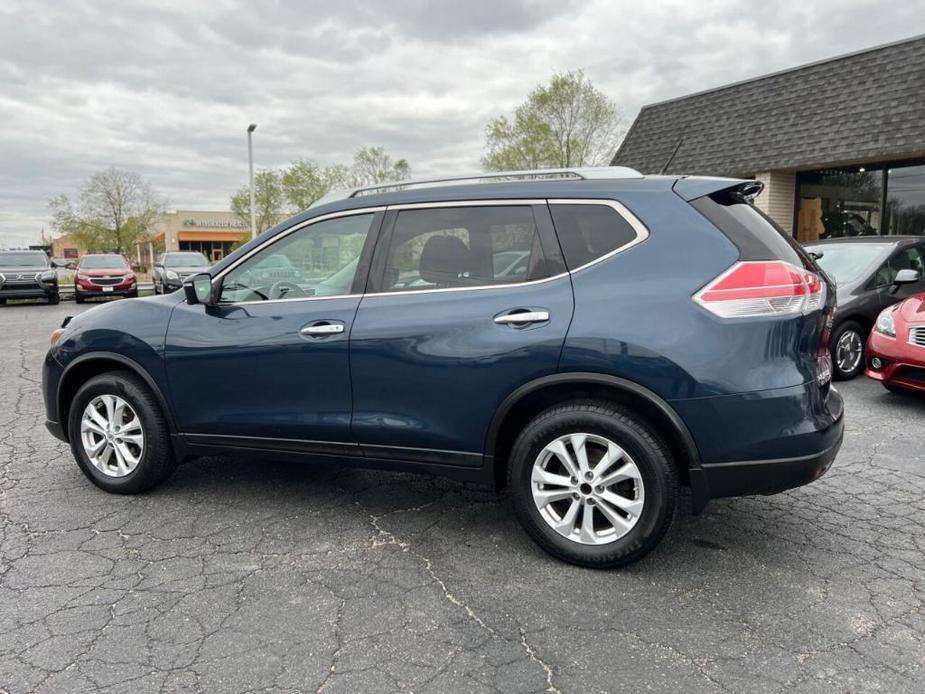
(642, 233)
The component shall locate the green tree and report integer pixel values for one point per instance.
(114, 210)
(306, 181)
(374, 165)
(269, 200)
(567, 122)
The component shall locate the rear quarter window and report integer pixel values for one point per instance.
(755, 234)
(589, 231)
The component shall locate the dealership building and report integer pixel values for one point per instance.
(839, 144)
(213, 233)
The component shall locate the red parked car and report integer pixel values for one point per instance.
(896, 347)
(104, 274)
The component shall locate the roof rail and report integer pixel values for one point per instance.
(583, 173)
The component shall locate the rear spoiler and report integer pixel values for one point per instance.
(693, 187)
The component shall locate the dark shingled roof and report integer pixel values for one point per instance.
(864, 107)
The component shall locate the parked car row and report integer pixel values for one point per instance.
(872, 276)
(31, 274)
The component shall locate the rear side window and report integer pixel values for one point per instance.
(755, 235)
(589, 231)
(451, 247)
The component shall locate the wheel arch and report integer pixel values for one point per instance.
(530, 399)
(86, 366)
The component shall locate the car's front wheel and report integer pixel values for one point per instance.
(592, 484)
(54, 299)
(118, 434)
(847, 347)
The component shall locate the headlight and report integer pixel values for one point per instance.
(886, 324)
(171, 275)
(49, 276)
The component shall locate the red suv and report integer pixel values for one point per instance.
(104, 274)
(896, 347)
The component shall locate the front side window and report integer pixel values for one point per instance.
(320, 259)
(454, 247)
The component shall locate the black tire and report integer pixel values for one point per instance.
(156, 290)
(132, 295)
(2, 302)
(78, 298)
(838, 373)
(651, 455)
(157, 462)
(54, 299)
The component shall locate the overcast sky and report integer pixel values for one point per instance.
(167, 88)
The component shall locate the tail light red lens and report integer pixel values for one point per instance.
(762, 288)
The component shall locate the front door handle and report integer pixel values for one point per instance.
(522, 317)
(322, 329)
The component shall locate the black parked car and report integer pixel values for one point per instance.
(864, 270)
(27, 275)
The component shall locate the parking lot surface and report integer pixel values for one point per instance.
(240, 575)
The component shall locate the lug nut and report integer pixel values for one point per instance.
(574, 495)
(590, 501)
(589, 475)
(574, 480)
(599, 489)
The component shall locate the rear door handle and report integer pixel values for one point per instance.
(522, 317)
(322, 329)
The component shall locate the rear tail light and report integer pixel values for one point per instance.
(762, 288)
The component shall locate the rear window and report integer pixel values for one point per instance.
(754, 233)
(589, 231)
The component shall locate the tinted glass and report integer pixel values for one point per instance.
(839, 203)
(23, 260)
(185, 260)
(318, 260)
(463, 247)
(91, 262)
(906, 199)
(755, 234)
(847, 262)
(587, 232)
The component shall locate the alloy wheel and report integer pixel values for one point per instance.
(112, 435)
(848, 351)
(587, 488)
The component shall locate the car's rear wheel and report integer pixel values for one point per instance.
(592, 484)
(119, 435)
(847, 349)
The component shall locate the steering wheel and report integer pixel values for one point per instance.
(284, 289)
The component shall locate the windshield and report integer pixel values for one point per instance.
(36, 259)
(185, 260)
(847, 262)
(95, 262)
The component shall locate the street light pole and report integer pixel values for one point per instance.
(250, 162)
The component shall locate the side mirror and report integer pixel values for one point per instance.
(198, 289)
(906, 276)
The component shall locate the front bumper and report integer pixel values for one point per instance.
(115, 290)
(32, 292)
(900, 366)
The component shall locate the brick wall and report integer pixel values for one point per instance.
(776, 200)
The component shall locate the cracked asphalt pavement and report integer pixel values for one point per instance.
(240, 575)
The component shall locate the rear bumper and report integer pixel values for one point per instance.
(764, 443)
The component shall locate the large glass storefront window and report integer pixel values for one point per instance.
(836, 203)
(905, 200)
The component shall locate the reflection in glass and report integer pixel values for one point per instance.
(906, 199)
(839, 203)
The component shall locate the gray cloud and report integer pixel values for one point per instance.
(167, 88)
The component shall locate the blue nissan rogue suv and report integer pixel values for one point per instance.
(591, 339)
